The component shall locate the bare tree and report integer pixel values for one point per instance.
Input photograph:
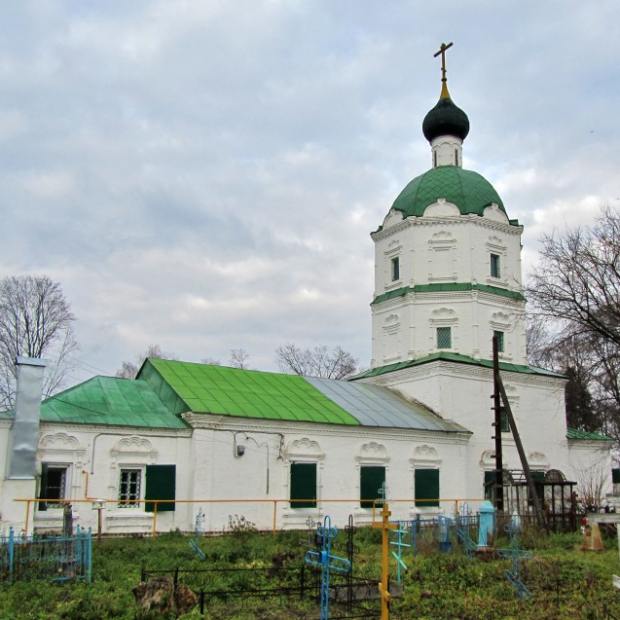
(129, 370)
(578, 280)
(211, 360)
(239, 358)
(317, 362)
(35, 321)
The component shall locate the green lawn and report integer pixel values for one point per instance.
(566, 582)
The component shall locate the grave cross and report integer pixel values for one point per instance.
(326, 562)
(515, 554)
(399, 544)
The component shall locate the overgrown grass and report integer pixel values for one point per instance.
(566, 582)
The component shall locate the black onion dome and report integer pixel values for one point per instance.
(445, 119)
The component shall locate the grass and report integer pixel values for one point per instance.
(565, 582)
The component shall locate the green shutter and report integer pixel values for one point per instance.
(160, 484)
(426, 487)
(303, 485)
(615, 476)
(372, 485)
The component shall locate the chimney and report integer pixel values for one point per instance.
(25, 429)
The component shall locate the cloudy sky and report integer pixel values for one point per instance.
(204, 175)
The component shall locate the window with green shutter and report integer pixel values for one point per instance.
(372, 485)
(426, 487)
(615, 476)
(489, 484)
(303, 485)
(160, 484)
(444, 337)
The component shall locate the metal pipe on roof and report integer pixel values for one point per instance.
(25, 428)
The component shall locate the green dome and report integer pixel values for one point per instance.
(468, 190)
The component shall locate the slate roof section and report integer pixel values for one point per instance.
(110, 401)
(207, 388)
(374, 405)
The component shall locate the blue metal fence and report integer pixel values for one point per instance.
(54, 558)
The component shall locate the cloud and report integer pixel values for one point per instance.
(205, 175)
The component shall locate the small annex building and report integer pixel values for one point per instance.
(282, 450)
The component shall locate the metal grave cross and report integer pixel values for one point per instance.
(400, 531)
(326, 562)
(515, 554)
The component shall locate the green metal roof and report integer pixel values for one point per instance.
(110, 401)
(468, 190)
(206, 388)
(575, 433)
(454, 357)
(448, 287)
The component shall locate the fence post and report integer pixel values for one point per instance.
(302, 580)
(11, 553)
(89, 555)
(154, 530)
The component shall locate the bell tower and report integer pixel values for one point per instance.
(447, 259)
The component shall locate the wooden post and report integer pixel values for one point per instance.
(499, 465)
(384, 584)
(540, 517)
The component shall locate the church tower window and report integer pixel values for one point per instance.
(444, 337)
(499, 336)
(495, 266)
(395, 269)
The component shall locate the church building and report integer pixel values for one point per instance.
(186, 443)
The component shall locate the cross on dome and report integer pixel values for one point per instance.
(444, 80)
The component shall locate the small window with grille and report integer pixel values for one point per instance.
(444, 337)
(129, 488)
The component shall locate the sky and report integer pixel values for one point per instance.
(204, 175)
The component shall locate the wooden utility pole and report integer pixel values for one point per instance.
(499, 391)
(497, 406)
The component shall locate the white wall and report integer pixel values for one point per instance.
(207, 469)
(462, 393)
(440, 248)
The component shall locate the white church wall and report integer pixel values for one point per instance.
(339, 454)
(462, 393)
(444, 250)
(590, 467)
(445, 246)
(72, 448)
(406, 327)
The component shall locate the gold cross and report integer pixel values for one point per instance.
(444, 79)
